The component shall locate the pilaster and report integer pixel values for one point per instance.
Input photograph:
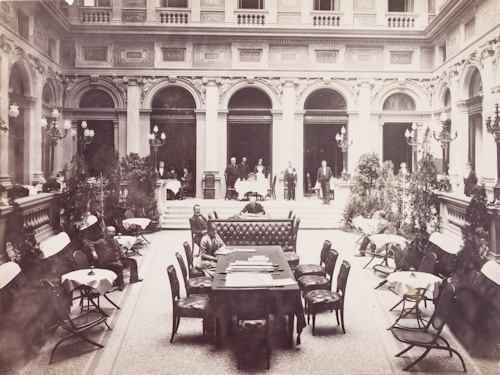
(4, 109)
(201, 146)
(151, 12)
(116, 15)
(215, 136)
(298, 152)
(144, 129)
(221, 146)
(133, 106)
(33, 139)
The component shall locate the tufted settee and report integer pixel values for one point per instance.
(259, 232)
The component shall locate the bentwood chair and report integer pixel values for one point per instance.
(290, 213)
(271, 192)
(309, 186)
(252, 322)
(195, 285)
(429, 336)
(77, 325)
(400, 256)
(192, 271)
(91, 295)
(322, 300)
(315, 269)
(194, 306)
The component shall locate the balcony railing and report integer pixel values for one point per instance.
(173, 17)
(326, 19)
(95, 15)
(401, 20)
(250, 18)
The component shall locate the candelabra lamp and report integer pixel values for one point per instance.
(493, 127)
(13, 112)
(412, 140)
(156, 143)
(445, 138)
(53, 134)
(84, 139)
(344, 144)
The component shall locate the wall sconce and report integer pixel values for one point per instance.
(156, 144)
(13, 113)
(344, 144)
(85, 139)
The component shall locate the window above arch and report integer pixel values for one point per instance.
(399, 102)
(96, 99)
(326, 99)
(476, 84)
(47, 95)
(249, 98)
(174, 98)
(447, 98)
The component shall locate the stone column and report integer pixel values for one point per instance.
(32, 139)
(279, 136)
(121, 138)
(365, 125)
(201, 123)
(133, 120)
(144, 129)
(298, 154)
(222, 146)
(458, 153)
(4, 109)
(116, 134)
(214, 136)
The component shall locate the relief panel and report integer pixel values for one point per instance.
(249, 55)
(212, 56)
(212, 17)
(134, 55)
(364, 58)
(93, 54)
(288, 56)
(401, 57)
(212, 4)
(173, 54)
(133, 16)
(134, 3)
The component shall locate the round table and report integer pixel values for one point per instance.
(101, 280)
(404, 283)
(383, 239)
(259, 186)
(142, 222)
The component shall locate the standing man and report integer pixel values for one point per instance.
(470, 179)
(290, 178)
(186, 182)
(162, 172)
(231, 174)
(199, 224)
(324, 176)
(243, 169)
(111, 257)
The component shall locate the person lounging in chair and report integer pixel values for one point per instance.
(381, 227)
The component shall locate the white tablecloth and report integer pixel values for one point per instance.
(142, 222)
(126, 241)
(448, 244)
(101, 281)
(173, 185)
(54, 244)
(383, 239)
(404, 283)
(259, 187)
(8, 271)
(491, 270)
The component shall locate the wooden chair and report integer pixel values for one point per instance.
(400, 256)
(322, 300)
(77, 325)
(315, 269)
(193, 272)
(252, 322)
(209, 188)
(429, 336)
(272, 189)
(194, 285)
(193, 306)
(230, 191)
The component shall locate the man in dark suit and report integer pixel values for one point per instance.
(243, 169)
(199, 224)
(253, 208)
(231, 174)
(171, 175)
(470, 180)
(162, 172)
(187, 180)
(324, 176)
(111, 257)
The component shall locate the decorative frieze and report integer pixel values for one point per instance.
(368, 58)
(288, 56)
(134, 55)
(90, 55)
(95, 53)
(212, 56)
(133, 16)
(401, 57)
(212, 17)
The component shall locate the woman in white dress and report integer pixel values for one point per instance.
(260, 171)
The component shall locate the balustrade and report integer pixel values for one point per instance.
(326, 20)
(41, 212)
(95, 15)
(401, 21)
(173, 18)
(250, 19)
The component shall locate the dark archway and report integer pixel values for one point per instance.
(103, 142)
(323, 120)
(18, 92)
(249, 128)
(173, 113)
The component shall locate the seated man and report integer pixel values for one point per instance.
(253, 208)
(381, 227)
(171, 175)
(186, 182)
(206, 260)
(199, 224)
(110, 255)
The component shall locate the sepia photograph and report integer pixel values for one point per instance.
(249, 187)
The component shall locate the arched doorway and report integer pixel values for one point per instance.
(325, 115)
(97, 152)
(249, 131)
(17, 95)
(394, 145)
(173, 113)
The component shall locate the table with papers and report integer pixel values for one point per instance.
(245, 267)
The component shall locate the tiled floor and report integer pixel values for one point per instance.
(139, 341)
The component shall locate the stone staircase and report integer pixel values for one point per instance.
(312, 213)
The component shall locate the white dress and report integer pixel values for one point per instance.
(260, 173)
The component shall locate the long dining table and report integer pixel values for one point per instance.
(284, 292)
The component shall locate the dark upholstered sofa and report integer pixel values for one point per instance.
(259, 232)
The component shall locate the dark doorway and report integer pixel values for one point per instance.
(252, 141)
(179, 149)
(395, 147)
(319, 145)
(97, 152)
